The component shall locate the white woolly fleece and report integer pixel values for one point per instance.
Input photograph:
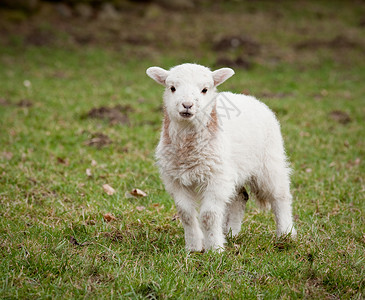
(212, 145)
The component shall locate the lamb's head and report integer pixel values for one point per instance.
(190, 90)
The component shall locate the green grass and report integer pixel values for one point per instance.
(46, 196)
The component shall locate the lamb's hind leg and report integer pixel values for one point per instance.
(274, 188)
(282, 209)
(234, 212)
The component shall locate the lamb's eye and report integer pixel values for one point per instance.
(204, 90)
(172, 89)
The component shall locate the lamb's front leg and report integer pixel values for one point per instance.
(212, 217)
(186, 210)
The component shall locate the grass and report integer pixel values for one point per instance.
(54, 240)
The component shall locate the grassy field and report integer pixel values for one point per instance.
(76, 117)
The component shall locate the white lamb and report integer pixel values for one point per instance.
(212, 145)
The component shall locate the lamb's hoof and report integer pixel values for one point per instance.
(216, 249)
(219, 250)
(290, 234)
(191, 249)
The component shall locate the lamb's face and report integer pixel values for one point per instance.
(190, 89)
(189, 92)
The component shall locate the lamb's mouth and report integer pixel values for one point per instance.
(186, 114)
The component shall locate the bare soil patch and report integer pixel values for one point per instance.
(115, 115)
(4, 102)
(244, 44)
(25, 103)
(340, 116)
(239, 62)
(335, 43)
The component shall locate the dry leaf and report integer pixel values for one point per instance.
(138, 193)
(109, 217)
(63, 161)
(140, 208)
(7, 155)
(308, 170)
(94, 163)
(88, 173)
(108, 189)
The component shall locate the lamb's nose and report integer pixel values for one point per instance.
(187, 105)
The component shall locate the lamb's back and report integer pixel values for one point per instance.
(250, 128)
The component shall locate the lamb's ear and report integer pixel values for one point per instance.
(221, 75)
(157, 74)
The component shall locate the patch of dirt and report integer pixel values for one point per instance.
(362, 22)
(239, 62)
(86, 39)
(25, 103)
(98, 140)
(136, 40)
(336, 43)
(39, 37)
(340, 116)
(21, 103)
(245, 44)
(271, 95)
(4, 102)
(131, 232)
(115, 115)
(74, 242)
(315, 289)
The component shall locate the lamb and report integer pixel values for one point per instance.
(211, 146)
